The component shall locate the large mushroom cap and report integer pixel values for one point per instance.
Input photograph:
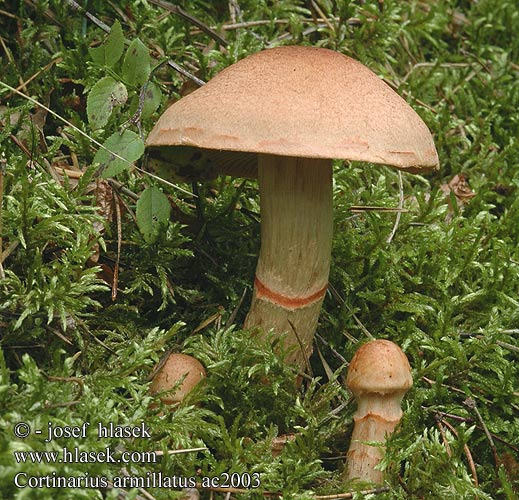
(380, 367)
(299, 101)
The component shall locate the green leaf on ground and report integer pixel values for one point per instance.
(105, 95)
(136, 64)
(111, 50)
(152, 99)
(153, 211)
(121, 151)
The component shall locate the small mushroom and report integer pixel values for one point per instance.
(282, 115)
(279, 442)
(180, 369)
(378, 376)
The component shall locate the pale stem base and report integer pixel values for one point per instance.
(296, 238)
(373, 423)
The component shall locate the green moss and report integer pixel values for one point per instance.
(76, 348)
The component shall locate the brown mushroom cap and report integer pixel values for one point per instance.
(299, 101)
(380, 367)
(177, 367)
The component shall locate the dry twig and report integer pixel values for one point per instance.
(175, 9)
(470, 403)
(115, 281)
(276, 494)
(106, 28)
(2, 165)
(336, 294)
(339, 356)
(320, 12)
(303, 350)
(500, 343)
(466, 449)
(91, 139)
(470, 420)
(400, 207)
(234, 312)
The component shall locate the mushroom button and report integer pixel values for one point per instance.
(378, 376)
(283, 114)
(179, 372)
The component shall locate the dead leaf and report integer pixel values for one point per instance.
(279, 442)
(461, 189)
(511, 465)
(105, 203)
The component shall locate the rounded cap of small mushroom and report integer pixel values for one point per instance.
(299, 101)
(379, 367)
(177, 367)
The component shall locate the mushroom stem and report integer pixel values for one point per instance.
(375, 419)
(294, 261)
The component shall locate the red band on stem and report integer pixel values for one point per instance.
(262, 291)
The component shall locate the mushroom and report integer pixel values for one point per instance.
(283, 114)
(378, 376)
(179, 370)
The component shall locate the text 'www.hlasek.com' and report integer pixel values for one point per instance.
(108, 455)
